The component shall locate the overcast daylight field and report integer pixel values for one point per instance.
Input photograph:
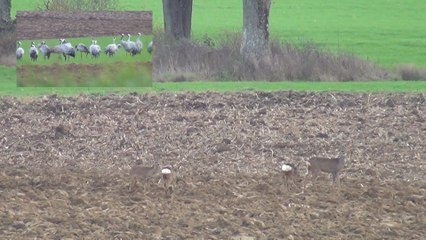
(385, 32)
(66, 153)
(84, 70)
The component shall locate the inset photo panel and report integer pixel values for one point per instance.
(84, 49)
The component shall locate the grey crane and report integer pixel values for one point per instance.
(44, 49)
(67, 47)
(19, 51)
(64, 48)
(150, 47)
(95, 49)
(131, 46)
(33, 52)
(82, 49)
(138, 44)
(112, 48)
(124, 43)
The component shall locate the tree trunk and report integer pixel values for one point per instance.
(255, 29)
(177, 18)
(5, 10)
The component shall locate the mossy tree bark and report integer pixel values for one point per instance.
(177, 18)
(5, 6)
(255, 28)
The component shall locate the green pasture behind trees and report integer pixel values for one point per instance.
(389, 32)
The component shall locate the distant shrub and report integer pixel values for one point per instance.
(285, 62)
(72, 5)
(208, 41)
(411, 72)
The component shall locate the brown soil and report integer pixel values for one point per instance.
(65, 164)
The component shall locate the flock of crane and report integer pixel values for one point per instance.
(66, 49)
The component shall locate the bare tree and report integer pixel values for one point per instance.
(255, 28)
(5, 6)
(177, 18)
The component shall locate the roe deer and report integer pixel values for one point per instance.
(328, 165)
(289, 173)
(142, 172)
(168, 178)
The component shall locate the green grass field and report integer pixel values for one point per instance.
(388, 32)
(8, 87)
(119, 70)
(102, 41)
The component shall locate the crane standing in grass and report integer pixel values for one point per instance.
(65, 48)
(95, 49)
(112, 48)
(44, 49)
(138, 45)
(82, 49)
(19, 51)
(131, 46)
(33, 52)
(124, 43)
(150, 47)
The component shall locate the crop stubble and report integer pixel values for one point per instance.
(65, 163)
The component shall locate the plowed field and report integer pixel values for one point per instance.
(65, 166)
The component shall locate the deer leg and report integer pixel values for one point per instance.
(313, 176)
(293, 182)
(132, 183)
(285, 181)
(336, 178)
(305, 179)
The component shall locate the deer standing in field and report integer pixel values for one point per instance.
(144, 173)
(328, 165)
(169, 178)
(289, 173)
